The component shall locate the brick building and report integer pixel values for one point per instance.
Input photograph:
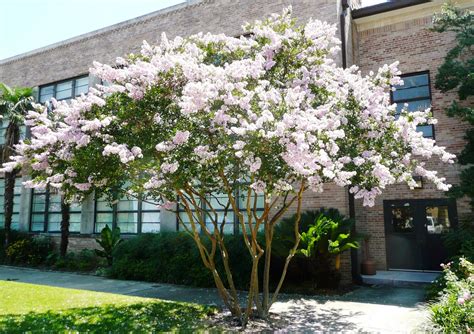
(404, 225)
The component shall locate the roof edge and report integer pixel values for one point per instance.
(105, 30)
(385, 7)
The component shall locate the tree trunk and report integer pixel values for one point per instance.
(64, 227)
(11, 139)
(8, 204)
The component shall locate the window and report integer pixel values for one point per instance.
(219, 202)
(46, 213)
(416, 93)
(129, 214)
(64, 90)
(16, 204)
(3, 130)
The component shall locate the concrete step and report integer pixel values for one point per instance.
(400, 278)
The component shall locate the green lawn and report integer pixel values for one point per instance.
(38, 308)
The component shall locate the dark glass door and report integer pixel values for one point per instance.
(413, 230)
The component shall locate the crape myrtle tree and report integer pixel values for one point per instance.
(267, 115)
(457, 73)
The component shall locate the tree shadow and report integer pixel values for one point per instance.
(139, 317)
(309, 316)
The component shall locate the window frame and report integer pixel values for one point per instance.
(236, 224)
(47, 212)
(56, 83)
(115, 211)
(430, 95)
(15, 195)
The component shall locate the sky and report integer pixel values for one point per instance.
(26, 25)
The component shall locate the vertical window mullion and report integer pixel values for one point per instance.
(236, 216)
(139, 218)
(46, 210)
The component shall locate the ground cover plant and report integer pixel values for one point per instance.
(38, 308)
(453, 310)
(202, 119)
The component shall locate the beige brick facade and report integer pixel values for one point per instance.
(404, 36)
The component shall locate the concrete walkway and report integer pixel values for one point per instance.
(376, 309)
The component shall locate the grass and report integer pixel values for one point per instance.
(37, 308)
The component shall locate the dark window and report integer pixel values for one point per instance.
(64, 90)
(46, 213)
(129, 214)
(16, 204)
(219, 202)
(415, 93)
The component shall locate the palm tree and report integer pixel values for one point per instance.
(14, 104)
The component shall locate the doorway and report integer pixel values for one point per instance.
(413, 231)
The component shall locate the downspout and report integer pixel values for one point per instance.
(356, 277)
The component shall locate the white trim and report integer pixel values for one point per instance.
(405, 14)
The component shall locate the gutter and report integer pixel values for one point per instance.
(385, 7)
(356, 277)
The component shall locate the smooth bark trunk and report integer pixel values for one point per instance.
(65, 220)
(11, 139)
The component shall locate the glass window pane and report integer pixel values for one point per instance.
(15, 221)
(427, 130)
(103, 205)
(402, 219)
(75, 207)
(64, 90)
(100, 226)
(437, 219)
(104, 218)
(415, 80)
(243, 202)
(75, 227)
(45, 98)
(47, 90)
(127, 217)
(218, 201)
(16, 205)
(54, 203)
(127, 222)
(82, 86)
(127, 205)
(150, 217)
(2, 220)
(147, 206)
(74, 218)
(37, 222)
(411, 93)
(150, 228)
(39, 202)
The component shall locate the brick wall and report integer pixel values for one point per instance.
(217, 16)
(417, 49)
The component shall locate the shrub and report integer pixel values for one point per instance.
(453, 311)
(86, 260)
(318, 266)
(459, 243)
(163, 257)
(109, 240)
(31, 251)
(14, 236)
(174, 258)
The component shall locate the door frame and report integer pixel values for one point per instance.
(424, 202)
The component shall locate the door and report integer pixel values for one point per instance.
(413, 231)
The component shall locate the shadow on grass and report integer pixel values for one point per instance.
(140, 317)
